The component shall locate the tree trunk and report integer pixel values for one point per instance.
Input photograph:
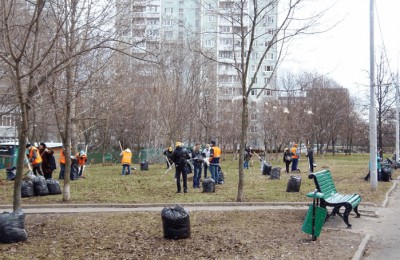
(243, 139)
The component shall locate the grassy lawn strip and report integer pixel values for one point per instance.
(104, 184)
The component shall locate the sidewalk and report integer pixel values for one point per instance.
(383, 231)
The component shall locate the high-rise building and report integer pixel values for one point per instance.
(216, 26)
(220, 30)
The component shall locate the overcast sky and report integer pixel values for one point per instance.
(343, 53)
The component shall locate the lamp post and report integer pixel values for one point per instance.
(372, 109)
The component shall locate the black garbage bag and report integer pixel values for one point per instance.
(53, 186)
(275, 173)
(176, 222)
(12, 227)
(144, 166)
(386, 174)
(11, 173)
(74, 175)
(208, 185)
(266, 169)
(40, 186)
(27, 189)
(294, 184)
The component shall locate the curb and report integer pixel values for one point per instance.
(361, 248)
(386, 200)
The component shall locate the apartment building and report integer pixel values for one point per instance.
(213, 27)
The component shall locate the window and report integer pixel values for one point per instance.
(152, 9)
(6, 120)
(267, 43)
(270, 20)
(270, 56)
(168, 10)
(269, 68)
(168, 34)
(254, 80)
(210, 18)
(225, 54)
(253, 116)
(253, 67)
(152, 32)
(209, 43)
(153, 21)
(168, 22)
(225, 41)
(254, 55)
(225, 29)
(253, 129)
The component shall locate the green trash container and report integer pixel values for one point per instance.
(315, 217)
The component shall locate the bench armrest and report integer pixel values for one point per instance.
(317, 195)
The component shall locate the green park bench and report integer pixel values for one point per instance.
(329, 197)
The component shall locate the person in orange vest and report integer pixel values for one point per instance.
(35, 159)
(295, 157)
(215, 154)
(62, 162)
(82, 159)
(126, 161)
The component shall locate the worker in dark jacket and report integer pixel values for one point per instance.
(179, 157)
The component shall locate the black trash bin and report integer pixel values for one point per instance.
(176, 222)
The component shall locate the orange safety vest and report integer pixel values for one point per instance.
(62, 157)
(126, 157)
(81, 159)
(38, 157)
(293, 150)
(216, 155)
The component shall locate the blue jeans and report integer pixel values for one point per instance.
(294, 164)
(214, 172)
(62, 171)
(126, 167)
(197, 175)
(205, 170)
(246, 165)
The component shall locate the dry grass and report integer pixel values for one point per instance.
(214, 235)
(104, 184)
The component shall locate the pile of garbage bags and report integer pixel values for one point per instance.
(39, 186)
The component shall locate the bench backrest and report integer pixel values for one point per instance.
(324, 182)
